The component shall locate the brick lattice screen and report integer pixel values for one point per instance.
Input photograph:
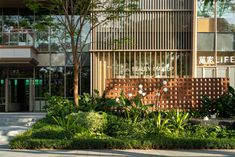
(183, 93)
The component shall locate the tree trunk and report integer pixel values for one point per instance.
(76, 72)
(75, 84)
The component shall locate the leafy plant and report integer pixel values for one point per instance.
(177, 121)
(59, 107)
(122, 127)
(224, 106)
(87, 102)
(94, 122)
(161, 124)
(133, 108)
(69, 124)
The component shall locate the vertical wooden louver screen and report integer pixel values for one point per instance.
(155, 41)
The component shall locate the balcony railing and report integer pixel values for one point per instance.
(19, 37)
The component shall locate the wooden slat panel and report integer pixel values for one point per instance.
(161, 29)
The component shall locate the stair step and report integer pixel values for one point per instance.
(13, 124)
(20, 119)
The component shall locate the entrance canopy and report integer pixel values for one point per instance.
(18, 56)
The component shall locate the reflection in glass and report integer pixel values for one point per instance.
(1, 37)
(21, 72)
(41, 81)
(226, 41)
(69, 82)
(205, 10)
(226, 16)
(57, 81)
(42, 41)
(206, 41)
(147, 64)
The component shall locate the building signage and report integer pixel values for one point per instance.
(211, 60)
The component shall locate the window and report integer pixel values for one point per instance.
(206, 42)
(226, 41)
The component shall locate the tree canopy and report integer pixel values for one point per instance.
(73, 16)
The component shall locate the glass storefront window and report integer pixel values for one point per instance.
(85, 80)
(57, 35)
(226, 41)
(1, 21)
(226, 16)
(21, 73)
(42, 41)
(69, 82)
(41, 81)
(26, 19)
(226, 25)
(57, 81)
(146, 64)
(206, 41)
(2, 90)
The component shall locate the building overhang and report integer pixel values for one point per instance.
(18, 56)
(11, 4)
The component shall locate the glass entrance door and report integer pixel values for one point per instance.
(2, 95)
(19, 98)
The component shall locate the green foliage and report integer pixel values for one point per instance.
(162, 125)
(224, 106)
(92, 121)
(134, 108)
(59, 107)
(68, 123)
(87, 102)
(177, 121)
(105, 142)
(122, 127)
(51, 132)
(31, 143)
(43, 122)
(117, 126)
(215, 132)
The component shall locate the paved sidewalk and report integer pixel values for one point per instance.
(4, 152)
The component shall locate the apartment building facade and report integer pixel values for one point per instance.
(162, 39)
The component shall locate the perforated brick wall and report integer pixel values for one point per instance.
(183, 93)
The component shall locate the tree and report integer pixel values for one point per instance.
(74, 15)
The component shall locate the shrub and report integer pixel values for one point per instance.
(87, 102)
(215, 132)
(117, 126)
(104, 142)
(59, 107)
(121, 127)
(50, 132)
(30, 143)
(224, 106)
(92, 121)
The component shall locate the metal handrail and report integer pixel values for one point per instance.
(20, 37)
